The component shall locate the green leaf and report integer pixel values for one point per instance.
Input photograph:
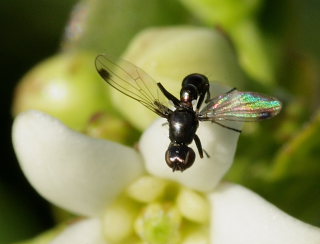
(300, 156)
(227, 13)
(294, 180)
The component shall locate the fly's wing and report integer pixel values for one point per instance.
(133, 82)
(240, 106)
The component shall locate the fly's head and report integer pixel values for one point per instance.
(194, 86)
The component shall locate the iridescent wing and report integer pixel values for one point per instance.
(240, 106)
(133, 82)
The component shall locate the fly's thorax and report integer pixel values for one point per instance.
(183, 125)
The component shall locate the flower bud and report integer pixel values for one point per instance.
(193, 206)
(65, 86)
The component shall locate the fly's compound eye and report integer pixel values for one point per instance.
(179, 157)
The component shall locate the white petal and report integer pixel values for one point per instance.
(239, 216)
(72, 170)
(83, 232)
(205, 173)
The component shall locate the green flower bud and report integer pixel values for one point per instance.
(159, 224)
(66, 86)
(169, 54)
(117, 222)
(197, 236)
(147, 189)
(157, 211)
(193, 206)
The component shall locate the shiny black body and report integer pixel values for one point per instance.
(183, 121)
(183, 125)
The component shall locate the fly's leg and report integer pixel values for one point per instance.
(233, 89)
(201, 98)
(205, 152)
(168, 95)
(199, 147)
(208, 96)
(227, 127)
(200, 101)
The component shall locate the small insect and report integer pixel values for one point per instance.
(184, 119)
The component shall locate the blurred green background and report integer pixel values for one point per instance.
(31, 31)
(277, 43)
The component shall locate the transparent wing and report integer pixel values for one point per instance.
(133, 82)
(240, 106)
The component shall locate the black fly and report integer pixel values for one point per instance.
(184, 120)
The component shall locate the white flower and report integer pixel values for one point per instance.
(88, 176)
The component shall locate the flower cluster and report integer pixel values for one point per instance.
(129, 196)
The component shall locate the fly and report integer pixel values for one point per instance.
(184, 119)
